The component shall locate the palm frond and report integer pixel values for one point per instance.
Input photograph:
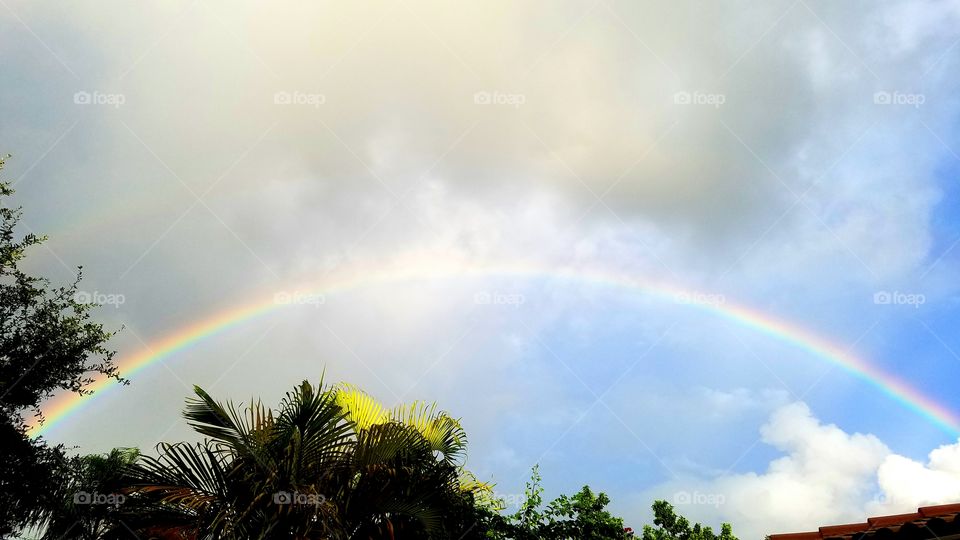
(384, 443)
(224, 423)
(361, 409)
(189, 475)
(470, 483)
(311, 430)
(445, 434)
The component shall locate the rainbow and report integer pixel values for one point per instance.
(424, 267)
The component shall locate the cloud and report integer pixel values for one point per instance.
(906, 483)
(780, 104)
(325, 135)
(823, 476)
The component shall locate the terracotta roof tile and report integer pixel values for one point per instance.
(940, 510)
(796, 536)
(896, 519)
(840, 530)
(926, 522)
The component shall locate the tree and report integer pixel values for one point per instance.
(329, 463)
(582, 516)
(667, 525)
(90, 496)
(529, 517)
(48, 344)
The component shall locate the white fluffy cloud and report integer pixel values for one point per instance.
(906, 484)
(824, 476)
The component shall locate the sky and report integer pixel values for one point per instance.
(540, 215)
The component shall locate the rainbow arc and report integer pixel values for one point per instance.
(425, 268)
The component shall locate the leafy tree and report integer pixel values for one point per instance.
(667, 525)
(90, 496)
(47, 344)
(582, 516)
(329, 463)
(529, 518)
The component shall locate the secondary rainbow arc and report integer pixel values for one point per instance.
(426, 268)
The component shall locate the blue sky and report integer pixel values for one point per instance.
(797, 158)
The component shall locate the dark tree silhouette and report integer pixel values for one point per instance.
(48, 344)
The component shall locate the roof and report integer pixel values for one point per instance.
(928, 522)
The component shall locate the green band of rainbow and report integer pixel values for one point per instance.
(426, 268)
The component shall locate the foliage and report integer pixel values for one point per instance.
(583, 516)
(667, 525)
(580, 516)
(329, 463)
(90, 496)
(47, 344)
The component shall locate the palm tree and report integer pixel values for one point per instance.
(331, 463)
(90, 495)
